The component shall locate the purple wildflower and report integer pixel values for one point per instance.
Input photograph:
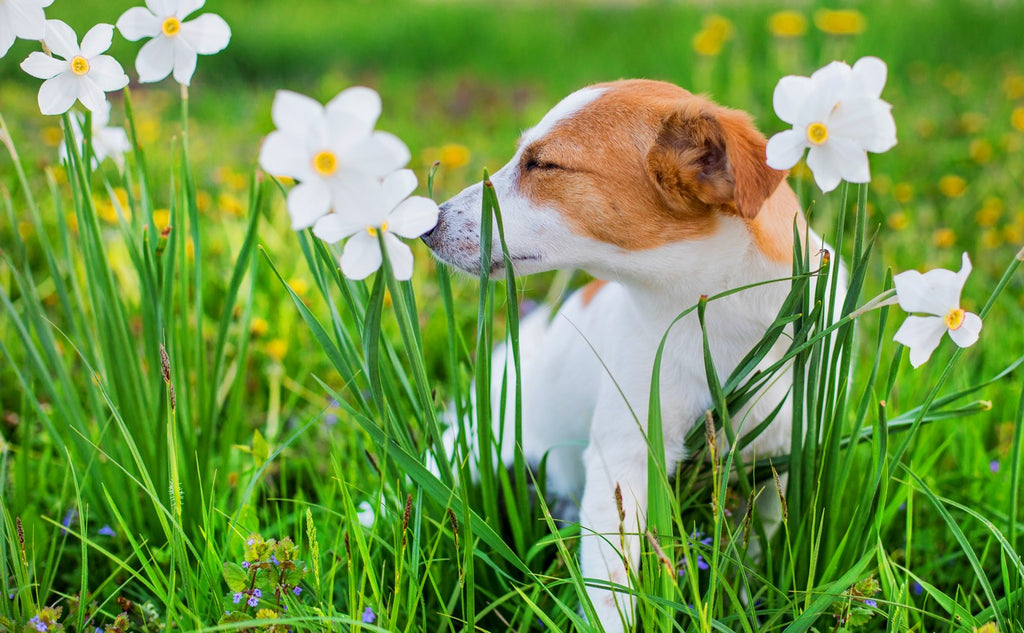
(274, 560)
(369, 616)
(236, 598)
(253, 601)
(916, 588)
(245, 564)
(871, 603)
(251, 542)
(701, 563)
(11, 594)
(38, 624)
(106, 530)
(98, 630)
(69, 517)
(297, 590)
(257, 593)
(994, 465)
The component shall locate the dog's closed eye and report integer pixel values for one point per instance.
(532, 161)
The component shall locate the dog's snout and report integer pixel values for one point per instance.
(430, 237)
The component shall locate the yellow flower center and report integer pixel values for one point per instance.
(372, 230)
(817, 133)
(325, 163)
(79, 65)
(955, 318)
(171, 26)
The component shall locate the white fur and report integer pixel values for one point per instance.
(586, 372)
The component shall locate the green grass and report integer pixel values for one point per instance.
(299, 395)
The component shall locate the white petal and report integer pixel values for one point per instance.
(57, 95)
(26, 21)
(162, 8)
(379, 154)
(43, 66)
(868, 76)
(296, 114)
(101, 117)
(184, 63)
(111, 142)
(400, 256)
(91, 95)
(968, 332)
(922, 335)
(791, 93)
(282, 155)
(334, 227)
(360, 196)
(207, 34)
(187, 7)
(7, 36)
(785, 149)
(866, 121)
(397, 186)
(359, 102)
(852, 160)
(97, 40)
(61, 39)
(414, 217)
(825, 167)
(361, 256)
(137, 23)
(935, 292)
(107, 73)
(155, 60)
(307, 202)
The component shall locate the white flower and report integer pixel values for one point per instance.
(382, 208)
(83, 73)
(838, 113)
(937, 294)
(176, 43)
(107, 142)
(332, 151)
(21, 18)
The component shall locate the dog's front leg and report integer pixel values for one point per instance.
(615, 460)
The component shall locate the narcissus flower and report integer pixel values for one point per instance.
(107, 141)
(84, 73)
(386, 209)
(332, 151)
(935, 294)
(21, 18)
(176, 44)
(838, 113)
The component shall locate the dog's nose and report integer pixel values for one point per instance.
(430, 237)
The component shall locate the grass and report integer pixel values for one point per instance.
(299, 396)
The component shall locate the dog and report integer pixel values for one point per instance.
(664, 197)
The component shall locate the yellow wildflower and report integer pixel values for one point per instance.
(24, 229)
(258, 326)
(787, 24)
(148, 129)
(72, 221)
(972, 122)
(161, 218)
(1013, 234)
(59, 175)
(952, 186)
(903, 192)
(981, 151)
(190, 249)
(52, 136)
(718, 25)
(299, 286)
(1017, 119)
(105, 210)
(944, 237)
(229, 203)
(203, 201)
(987, 628)
(266, 614)
(707, 43)
(1013, 86)
(840, 22)
(990, 212)
(991, 238)
(277, 348)
(453, 155)
(898, 221)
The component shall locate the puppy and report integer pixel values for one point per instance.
(667, 197)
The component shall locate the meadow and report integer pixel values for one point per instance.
(197, 405)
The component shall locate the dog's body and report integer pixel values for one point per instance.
(667, 196)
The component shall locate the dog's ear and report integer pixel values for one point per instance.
(714, 157)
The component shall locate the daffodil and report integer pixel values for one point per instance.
(381, 209)
(333, 151)
(21, 18)
(107, 141)
(175, 43)
(838, 113)
(84, 73)
(935, 294)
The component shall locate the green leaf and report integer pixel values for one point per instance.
(260, 448)
(236, 577)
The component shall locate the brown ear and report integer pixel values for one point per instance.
(712, 156)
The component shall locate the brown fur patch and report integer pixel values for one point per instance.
(648, 163)
(589, 291)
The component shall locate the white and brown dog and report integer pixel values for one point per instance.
(667, 196)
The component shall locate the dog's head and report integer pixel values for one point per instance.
(615, 170)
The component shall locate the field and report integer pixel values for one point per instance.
(197, 405)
